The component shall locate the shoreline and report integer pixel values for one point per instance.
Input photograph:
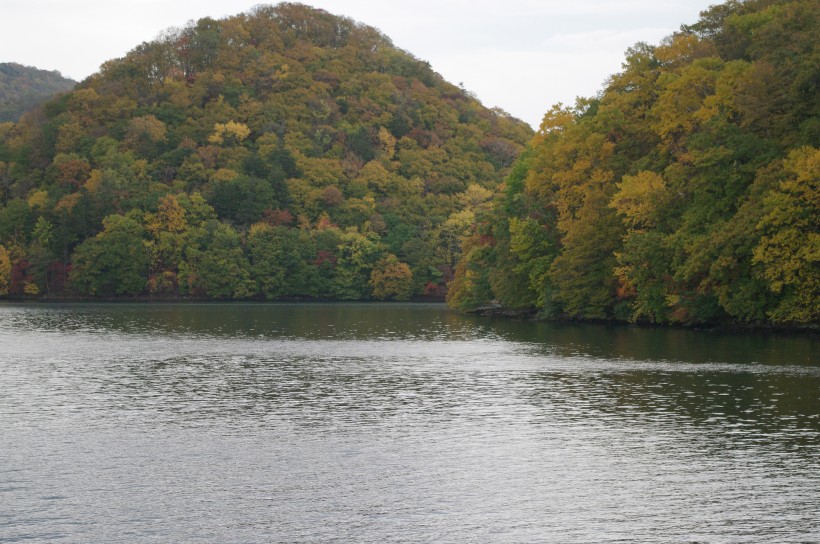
(487, 311)
(182, 300)
(500, 312)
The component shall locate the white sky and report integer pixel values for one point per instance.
(520, 55)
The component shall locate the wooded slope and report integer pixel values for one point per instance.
(24, 87)
(278, 153)
(686, 192)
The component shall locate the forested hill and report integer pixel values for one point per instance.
(687, 192)
(285, 152)
(23, 87)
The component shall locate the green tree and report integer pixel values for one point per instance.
(357, 254)
(279, 261)
(114, 262)
(218, 267)
(583, 273)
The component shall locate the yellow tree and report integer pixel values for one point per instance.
(230, 132)
(5, 271)
(643, 261)
(789, 249)
(166, 247)
(391, 279)
(640, 199)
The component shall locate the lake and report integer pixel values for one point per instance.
(398, 423)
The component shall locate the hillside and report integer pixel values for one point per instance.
(686, 192)
(285, 152)
(24, 87)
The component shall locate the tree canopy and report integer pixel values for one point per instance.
(685, 192)
(277, 153)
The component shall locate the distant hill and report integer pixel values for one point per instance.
(285, 152)
(23, 87)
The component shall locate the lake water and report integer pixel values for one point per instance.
(398, 423)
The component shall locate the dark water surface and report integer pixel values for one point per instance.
(398, 423)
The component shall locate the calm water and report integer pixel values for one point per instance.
(398, 423)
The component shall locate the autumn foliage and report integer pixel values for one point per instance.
(284, 152)
(686, 192)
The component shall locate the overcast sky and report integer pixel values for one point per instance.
(520, 55)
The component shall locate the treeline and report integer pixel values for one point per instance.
(687, 191)
(280, 153)
(23, 87)
(140, 253)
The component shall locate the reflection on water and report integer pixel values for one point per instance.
(412, 322)
(373, 423)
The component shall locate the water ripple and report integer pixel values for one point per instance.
(119, 424)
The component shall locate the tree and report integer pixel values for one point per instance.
(643, 273)
(279, 261)
(166, 247)
(391, 279)
(789, 249)
(640, 199)
(583, 272)
(144, 133)
(229, 133)
(219, 268)
(114, 262)
(5, 271)
(357, 254)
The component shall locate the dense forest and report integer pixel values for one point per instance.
(284, 152)
(287, 152)
(24, 87)
(687, 191)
